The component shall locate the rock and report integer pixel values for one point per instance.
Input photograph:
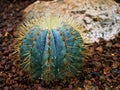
(115, 64)
(1, 35)
(6, 88)
(13, 69)
(3, 62)
(20, 73)
(30, 7)
(107, 70)
(109, 44)
(70, 87)
(7, 67)
(17, 89)
(78, 88)
(100, 49)
(117, 45)
(40, 88)
(97, 18)
(95, 74)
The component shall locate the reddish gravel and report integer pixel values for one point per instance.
(101, 70)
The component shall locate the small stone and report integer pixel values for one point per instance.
(13, 70)
(20, 73)
(115, 64)
(17, 89)
(96, 58)
(6, 88)
(95, 74)
(106, 70)
(37, 81)
(109, 44)
(70, 87)
(98, 64)
(117, 45)
(100, 49)
(10, 29)
(9, 75)
(87, 87)
(40, 88)
(1, 35)
(7, 67)
(3, 62)
(102, 77)
(78, 88)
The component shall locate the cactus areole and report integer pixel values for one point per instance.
(51, 48)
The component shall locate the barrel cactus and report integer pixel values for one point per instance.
(50, 48)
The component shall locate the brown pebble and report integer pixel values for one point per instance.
(17, 88)
(100, 49)
(107, 70)
(6, 88)
(37, 81)
(13, 69)
(70, 87)
(9, 75)
(20, 73)
(40, 88)
(3, 62)
(109, 44)
(115, 64)
(78, 88)
(117, 45)
(1, 35)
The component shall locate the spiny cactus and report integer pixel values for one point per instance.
(50, 48)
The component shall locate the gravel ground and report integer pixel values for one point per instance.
(101, 70)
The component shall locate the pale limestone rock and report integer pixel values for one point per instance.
(98, 18)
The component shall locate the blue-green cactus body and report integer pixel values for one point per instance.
(52, 54)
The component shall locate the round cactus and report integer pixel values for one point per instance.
(51, 48)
